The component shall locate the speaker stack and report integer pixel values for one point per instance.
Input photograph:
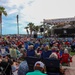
(41, 29)
(35, 35)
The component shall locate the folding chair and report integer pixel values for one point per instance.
(52, 66)
(31, 61)
(66, 59)
(5, 68)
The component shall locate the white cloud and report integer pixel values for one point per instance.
(37, 10)
(12, 11)
(47, 9)
(41, 9)
(18, 3)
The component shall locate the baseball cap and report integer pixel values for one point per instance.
(39, 64)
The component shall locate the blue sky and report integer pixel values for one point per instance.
(34, 11)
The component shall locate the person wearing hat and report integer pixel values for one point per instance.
(39, 69)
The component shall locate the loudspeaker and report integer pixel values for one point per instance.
(41, 29)
(35, 36)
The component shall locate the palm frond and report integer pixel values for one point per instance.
(5, 13)
(26, 27)
(2, 10)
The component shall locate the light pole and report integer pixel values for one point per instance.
(18, 24)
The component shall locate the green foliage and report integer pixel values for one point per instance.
(30, 25)
(2, 10)
(36, 28)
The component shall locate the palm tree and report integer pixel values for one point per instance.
(27, 30)
(36, 28)
(31, 25)
(2, 11)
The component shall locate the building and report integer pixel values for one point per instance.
(62, 27)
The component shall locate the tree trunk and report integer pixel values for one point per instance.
(0, 24)
(27, 32)
(30, 33)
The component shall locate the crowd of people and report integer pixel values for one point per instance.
(14, 49)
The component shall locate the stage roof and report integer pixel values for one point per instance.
(61, 21)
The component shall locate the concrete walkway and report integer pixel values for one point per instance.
(70, 70)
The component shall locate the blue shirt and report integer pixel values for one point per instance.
(30, 53)
(26, 45)
(46, 54)
(36, 45)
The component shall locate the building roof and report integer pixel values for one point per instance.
(61, 21)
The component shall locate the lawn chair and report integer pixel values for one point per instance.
(5, 68)
(52, 66)
(31, 61)
(66, 59)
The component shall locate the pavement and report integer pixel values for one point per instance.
(70, 70)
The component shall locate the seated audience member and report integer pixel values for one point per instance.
(5, 67)
(7, 48)
(23, 68)
(66, 58)
(58, 53)
(15, 66)
(23, 53)
(13, 52)
(30, 51)
(39, 69)
(8, 59)
(46, 52)
(38, 52)
(37, 44)
(61, 51)
(73, 45)
(26, 44)
(3, 52)
(54, 49)
(54, 56)
(42, 47)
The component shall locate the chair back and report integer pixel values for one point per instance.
(31, 61)
(65, 58)
(52, 65)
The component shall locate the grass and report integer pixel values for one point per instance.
(72, 53)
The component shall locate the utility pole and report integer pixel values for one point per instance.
(18, 24)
